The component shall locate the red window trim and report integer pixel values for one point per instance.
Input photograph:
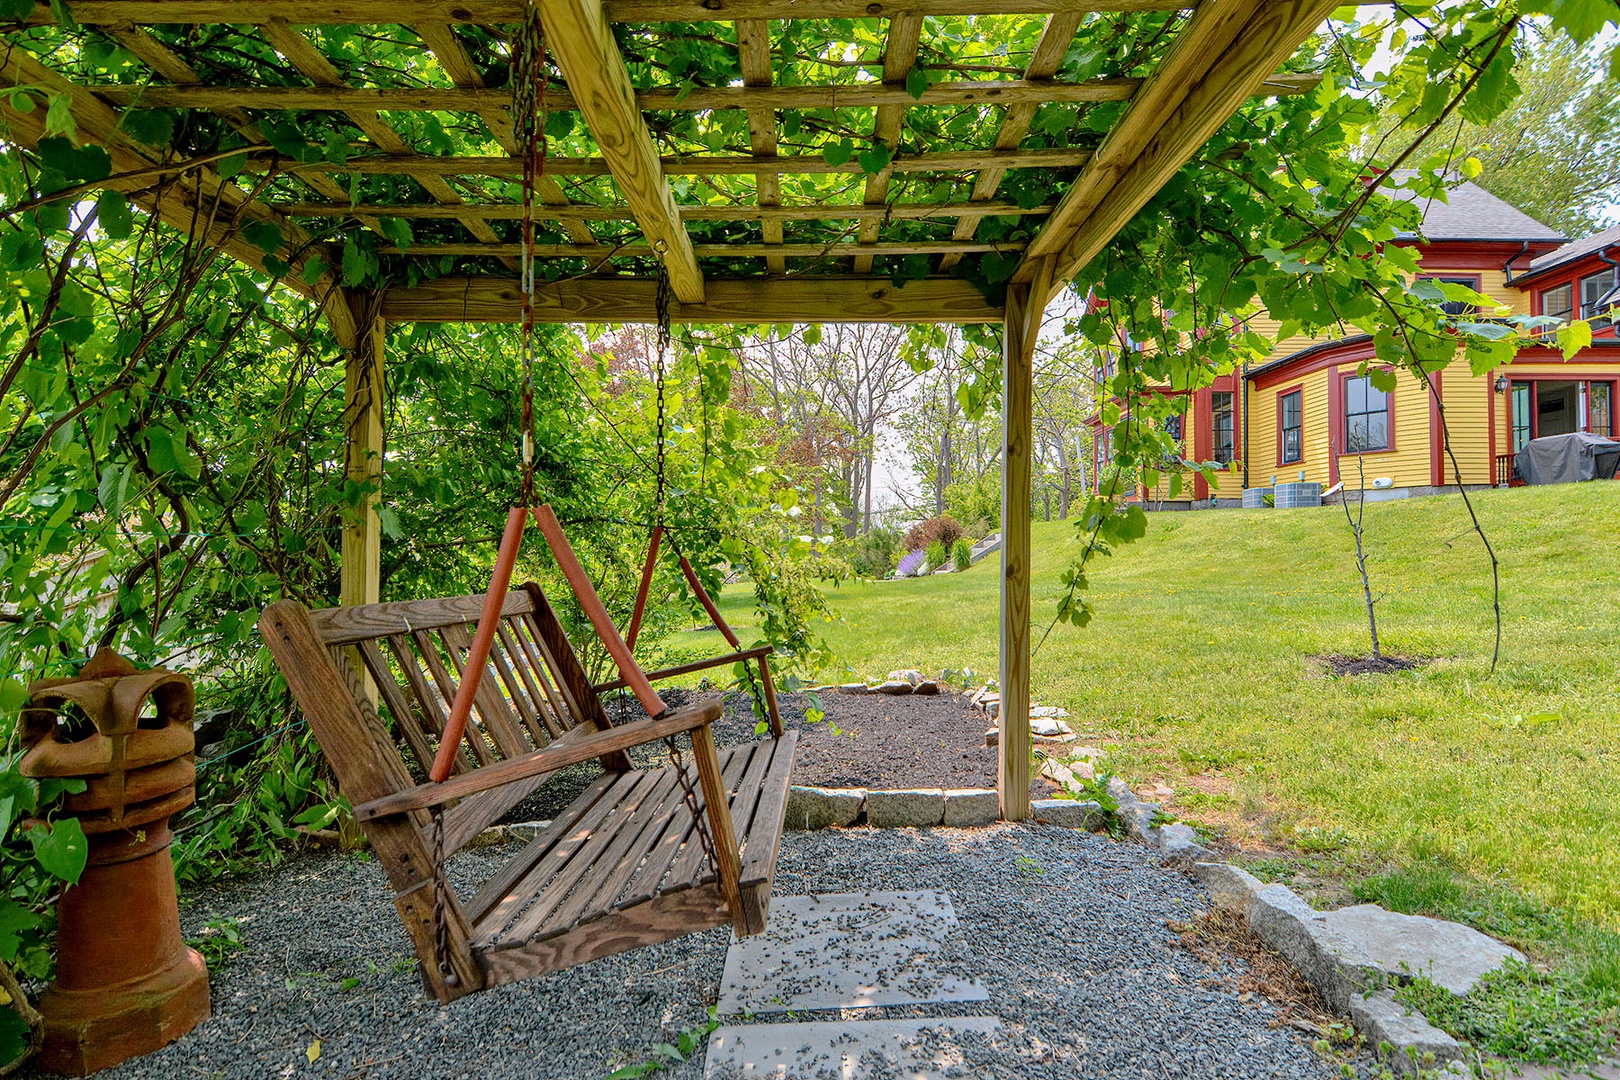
(1342, 421)
(1297, 388)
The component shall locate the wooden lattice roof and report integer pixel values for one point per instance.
(799, 160)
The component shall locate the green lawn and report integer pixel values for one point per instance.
(1198, 672)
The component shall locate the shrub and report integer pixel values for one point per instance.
(874, 555)
(912, 563)
(962, 554)
(976, 503)
(936, 555)
(941, 530)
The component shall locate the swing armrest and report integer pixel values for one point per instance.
(549, 759)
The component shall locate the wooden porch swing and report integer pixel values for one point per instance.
(640, 856)
(487, 697)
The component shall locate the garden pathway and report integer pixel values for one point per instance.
(836, 952)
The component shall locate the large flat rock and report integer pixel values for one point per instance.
(834, 1050)
(1452, 955)
(845, 951)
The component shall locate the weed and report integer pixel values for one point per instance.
(1028, 866)
(1521, 1014)
(1319, 840)
(220, 939)
(666, 1054)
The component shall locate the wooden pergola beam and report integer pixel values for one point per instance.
(661, 99)
(195, 201)
(452, 55)
(333, 12)
(946, 161)
(1043, 63)
(754, 58)
(842, 249)
(586, 212)
(755, 301)
(1219, 61)
(1026, 306)
(582, 44)
(899, 57)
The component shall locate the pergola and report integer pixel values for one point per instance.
(767, 236)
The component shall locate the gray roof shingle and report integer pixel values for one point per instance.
(1472, 213)
(1576, 249)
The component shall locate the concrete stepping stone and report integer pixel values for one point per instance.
(845, 951)
(835, 1050)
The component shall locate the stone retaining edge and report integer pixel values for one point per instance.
(1350, 981)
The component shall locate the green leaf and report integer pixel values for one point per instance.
(14, 1034)
(875, 158)
(14, 918)
(59, 116)
(114, 486)
(917, 82)
(315, 269)
(16, 794)
(264, 235)
(155, 127)
(354, 263)
(1575, 337)
(112, 211)
(836, 154)
(60, 847)
(398, 230)
(231, 166)
(15, 9)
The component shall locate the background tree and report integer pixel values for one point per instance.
(1555, 152)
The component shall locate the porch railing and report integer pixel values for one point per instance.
(1504, 470)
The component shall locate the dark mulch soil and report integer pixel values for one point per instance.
(1368, 665)
(866, 740)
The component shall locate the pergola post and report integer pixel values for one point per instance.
(360, 568)
(1021, 327)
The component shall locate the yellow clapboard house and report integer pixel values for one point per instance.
(1310, 413)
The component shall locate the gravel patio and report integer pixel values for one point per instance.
(1066, 930)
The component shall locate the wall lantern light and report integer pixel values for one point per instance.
(1501, 384)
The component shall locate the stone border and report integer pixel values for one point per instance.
(1351, 982)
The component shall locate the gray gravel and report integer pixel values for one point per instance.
(1067, 930)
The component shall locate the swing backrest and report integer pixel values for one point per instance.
(534, 692)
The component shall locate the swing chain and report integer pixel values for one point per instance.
(700, 822)
(441, 923)
(529, 81)
(661, 313)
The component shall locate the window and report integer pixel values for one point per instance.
(1521, 414)
(1221, 425)
(1597, 296)
(1456, 308)
(1558, 303)
(1291, 425)
(1600, 408)
(1366, 416)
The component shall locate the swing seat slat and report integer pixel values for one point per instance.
(623, 866)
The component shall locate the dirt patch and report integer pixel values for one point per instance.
(878, 741)
(866, 741)
(1367, 665)
(1221, 936)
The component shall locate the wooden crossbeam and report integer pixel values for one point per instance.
(581, 41)
(311, 63)
(162, 60)
(1219, 61)
(899, 57)
(845, 298)
(832, 250)
(951, 161)
(491, 12)
(452, 56)
(1043, 64)
(754, 57)
(661, 99)
(583, 212)
(196, 201)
